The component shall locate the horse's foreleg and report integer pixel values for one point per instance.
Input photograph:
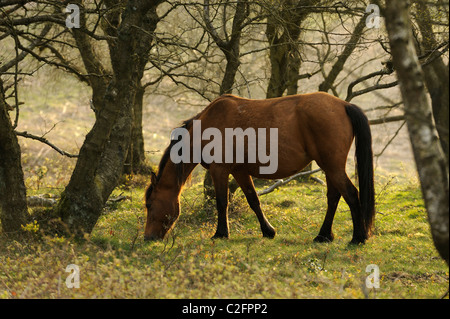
(246, 184)
(220, 180)
(333, 196)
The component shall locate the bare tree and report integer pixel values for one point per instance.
(430, 159)
(13, 204)
(436, 72)
(230, 43)
(283, 29)
(114, 78)
(338, 66)
(104, 151)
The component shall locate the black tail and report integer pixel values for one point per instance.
(364, 164)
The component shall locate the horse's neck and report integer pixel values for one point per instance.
(174, 178)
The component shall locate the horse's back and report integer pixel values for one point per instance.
(310, 126)
(317, 111)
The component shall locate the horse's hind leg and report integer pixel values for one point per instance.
(351, 196)
(333, 196)
(246, 184)
(220, 180)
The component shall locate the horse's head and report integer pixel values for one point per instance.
(163, 210)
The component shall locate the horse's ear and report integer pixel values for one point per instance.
(153, 178)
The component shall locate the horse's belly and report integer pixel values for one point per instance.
(279, 166)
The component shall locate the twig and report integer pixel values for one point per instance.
(41, 201)
(390, 141)
(281, 182)
(351, 94)
(387, 120)
(117, 199)
(45, 141)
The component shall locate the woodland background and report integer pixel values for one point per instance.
(87, 112)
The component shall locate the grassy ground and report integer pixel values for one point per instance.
(115, 262)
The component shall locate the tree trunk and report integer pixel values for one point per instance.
(13, 197)
(231, 49)
(284, 54)
(284, 57)
(429, 157)
(233, 62)
(85, 195)
(293, 70)
(103, 153)
(230, 46)
(135, 161)
(350, 46)
(436, 76)
(283, 31)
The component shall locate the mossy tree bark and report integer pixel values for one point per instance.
(430, 160)
(283, 29)
(436, 74)
(135, 161)
(13, 197)
(230, 46)
(103, 153)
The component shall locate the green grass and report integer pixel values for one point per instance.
(115, 262)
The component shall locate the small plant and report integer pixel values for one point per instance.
(187, 264)
(32, 227)
(38, 175)
(41, 172)
(314, 265)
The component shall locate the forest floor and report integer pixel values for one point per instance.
(116, 262)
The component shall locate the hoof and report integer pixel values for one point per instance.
(220, 236)
(357, 241)
(358, 238)
(323, 239)
(269, 233)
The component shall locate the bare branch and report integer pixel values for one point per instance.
(282, 182)
(348, 49)
(387, 120)
(45, 141)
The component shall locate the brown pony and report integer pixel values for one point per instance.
(315, 126)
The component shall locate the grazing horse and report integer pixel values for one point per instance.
(314, 126)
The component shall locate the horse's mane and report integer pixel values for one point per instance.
(179, 167)
(187, 124)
